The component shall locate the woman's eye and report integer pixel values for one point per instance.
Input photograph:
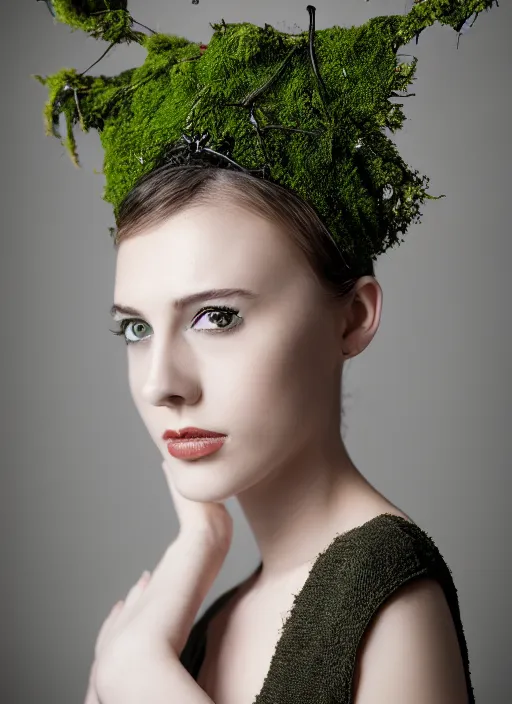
(220, 317)
(126, 325)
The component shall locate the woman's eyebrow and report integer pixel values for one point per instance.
(180, 303)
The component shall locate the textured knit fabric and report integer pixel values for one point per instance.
(315, 657)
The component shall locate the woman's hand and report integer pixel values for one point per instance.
(211, 520)
(92, 697)
(141, 640)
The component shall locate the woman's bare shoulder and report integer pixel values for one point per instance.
(411, 651)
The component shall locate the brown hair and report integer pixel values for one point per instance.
(166, 190)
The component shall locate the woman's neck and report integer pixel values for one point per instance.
(297, 511)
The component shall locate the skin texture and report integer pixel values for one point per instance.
(284, 459)
(272, 384)
(410, 653)
(138, 647)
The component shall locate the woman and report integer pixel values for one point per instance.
(244, 282)
(264, 369)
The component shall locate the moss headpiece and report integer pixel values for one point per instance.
(307, 111)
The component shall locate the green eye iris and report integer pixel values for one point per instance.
(138, 324)
(217, 315)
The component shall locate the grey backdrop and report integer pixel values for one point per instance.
(84, 504)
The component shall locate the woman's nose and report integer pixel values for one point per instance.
(171, 378)
(174, 393)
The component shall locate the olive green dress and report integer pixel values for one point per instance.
(314, 660)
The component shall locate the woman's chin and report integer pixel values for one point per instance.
(214, 488)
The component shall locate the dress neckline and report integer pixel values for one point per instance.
(315, 568)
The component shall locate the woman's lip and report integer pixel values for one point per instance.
(191, 432)
(193, 448)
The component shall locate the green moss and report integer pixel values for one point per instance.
(102, 19)
(349, 170)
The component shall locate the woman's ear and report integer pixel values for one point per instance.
(362, 315)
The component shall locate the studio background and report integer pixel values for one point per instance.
(84, 505)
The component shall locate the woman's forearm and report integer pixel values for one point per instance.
(195, 563)
(179, 688)
(143, 663)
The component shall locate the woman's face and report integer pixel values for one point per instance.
(268, 376)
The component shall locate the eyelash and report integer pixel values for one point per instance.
(210, 309)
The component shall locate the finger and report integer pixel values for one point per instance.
(136, 590)
(121, 607)
(91, 697)
(116, 609)
(127, 611)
